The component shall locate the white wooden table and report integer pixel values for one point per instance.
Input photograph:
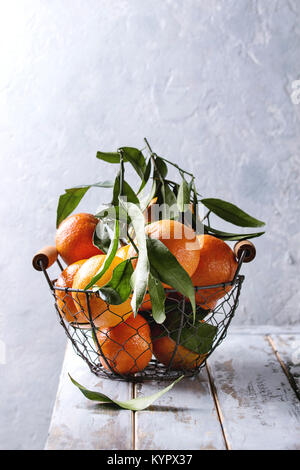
(246, 398)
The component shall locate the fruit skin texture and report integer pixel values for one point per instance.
(102, 315)
(163, 348)
(186, 249)
(217, 264)
(74, 238)
(127, 347)
(179, 239)
(65, 302)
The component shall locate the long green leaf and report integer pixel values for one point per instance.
(109, 157)
(108, 259)
(136, 404)
(72, 197)
(230, 236)
(231, 213)
(161, 167)
(127, 191)
(136, 158)
(144, 203)
(157, 297)
(146, 176)
(140, 276)
(170, 198)
(184, 195)
(170, 270)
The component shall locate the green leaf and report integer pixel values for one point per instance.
(118, 289)
(105, 231)
(72, 197)
(170, 270)
(157, 297)
(184, 196)
(198, 338)
(170, 198)
(108, 259)
(127, 191)
(111, 213)
(136, 404)
(146, 176)
(231, 213)
(109, 157)
(161, 167)
(230, 236)
(139, 278)
(102, 236)
(136, 158)
(144, 203)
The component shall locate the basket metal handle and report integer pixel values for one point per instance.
(245, 249)
(245, 252)
(44, 258)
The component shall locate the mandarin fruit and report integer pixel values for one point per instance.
(164, 347)
(127, 347)
(103, 315)
(65, 301)
(217, 265)
(179, 239)
(74, 238)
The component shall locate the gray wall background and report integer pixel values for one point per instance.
(208, 82)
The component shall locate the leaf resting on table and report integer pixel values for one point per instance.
(136, 404)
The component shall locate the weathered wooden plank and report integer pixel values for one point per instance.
(78, 423)
(288, 347)
(260, 410)
(184, 418)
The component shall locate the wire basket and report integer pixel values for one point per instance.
(167, 344)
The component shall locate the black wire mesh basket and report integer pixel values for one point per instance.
(148, 350)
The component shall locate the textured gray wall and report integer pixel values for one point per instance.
(208, 82)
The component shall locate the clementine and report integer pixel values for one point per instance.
(217, 265)
(127, 347)
(164, 348)
(74, 238)
(103, 315)
(65, 301)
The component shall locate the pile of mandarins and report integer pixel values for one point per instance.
(127, 342)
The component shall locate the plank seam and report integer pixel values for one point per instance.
(283, 366)
(217, 406)
(133, 417)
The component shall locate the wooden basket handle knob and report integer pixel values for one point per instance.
(245, 245)
(46, 256)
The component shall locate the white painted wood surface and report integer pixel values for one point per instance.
(252, 404)
(78, 423)
(259, 407)
(288, 348)
(185, 418)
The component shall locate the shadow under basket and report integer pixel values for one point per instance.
(215, 308)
